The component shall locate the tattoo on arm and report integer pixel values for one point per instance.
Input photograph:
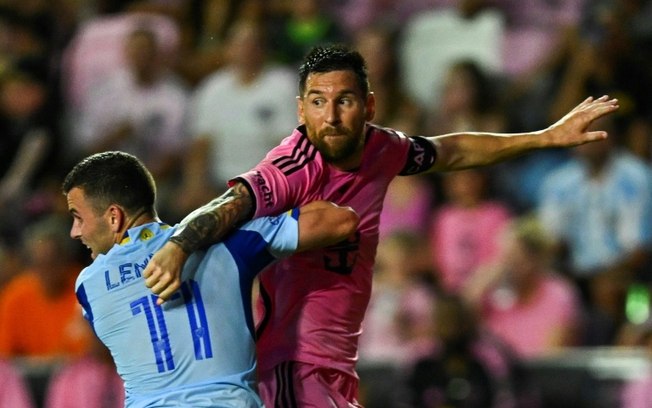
(208, 224)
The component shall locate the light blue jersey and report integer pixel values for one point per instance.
(601, 218)
(197, 350)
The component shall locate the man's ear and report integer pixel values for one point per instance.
(116, 218)
(300, 114)
(370, 107)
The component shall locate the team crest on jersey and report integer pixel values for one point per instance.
(145, 234)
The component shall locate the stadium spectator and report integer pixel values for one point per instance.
(521, 299)
(39, 312)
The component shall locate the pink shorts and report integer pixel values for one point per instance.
(293, 384)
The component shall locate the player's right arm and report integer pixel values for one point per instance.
(203, 227)
(322, 223)
(457, 151)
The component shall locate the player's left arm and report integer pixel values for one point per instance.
(322, 223)
(203, 227)
(457, 151)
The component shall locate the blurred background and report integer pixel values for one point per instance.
(525, 284)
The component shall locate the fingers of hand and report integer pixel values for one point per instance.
(597, 135)
(161, 284)
(167, 292)
(596, 109)
(605, 107)
(591, 103)
(605, 103)
(153, 278)
(149, 270)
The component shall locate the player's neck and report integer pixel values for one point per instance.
(140, 218)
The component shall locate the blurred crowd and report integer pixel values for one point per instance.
(478, 271)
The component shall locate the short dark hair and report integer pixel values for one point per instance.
(334, 57)
(114, 177)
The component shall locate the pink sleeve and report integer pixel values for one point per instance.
(284, 178)
(269, 187)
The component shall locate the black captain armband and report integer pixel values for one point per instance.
(421, 156)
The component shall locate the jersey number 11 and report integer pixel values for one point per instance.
(158, 331)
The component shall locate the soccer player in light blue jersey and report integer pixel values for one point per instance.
(197, 349)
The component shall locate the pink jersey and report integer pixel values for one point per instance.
(14, 389)
(527, 327)
(464, 239)
(315, 301)
(87, 382)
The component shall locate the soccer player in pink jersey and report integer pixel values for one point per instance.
(307, 345)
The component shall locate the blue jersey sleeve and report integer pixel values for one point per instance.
(263, 240)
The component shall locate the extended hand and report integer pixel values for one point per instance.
(163, 272)
(572, 129)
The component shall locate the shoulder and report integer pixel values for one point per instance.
(99, 264)
(386, 143)
(293, 153)
(386, 134)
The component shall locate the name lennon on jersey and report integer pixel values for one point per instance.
(125, 273)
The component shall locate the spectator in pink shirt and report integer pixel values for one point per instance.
(522, 300)
(14, 392)
(465, 229)
(397, 327)
(96, 50)
(88, 382)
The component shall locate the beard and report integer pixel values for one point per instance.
(344, 145)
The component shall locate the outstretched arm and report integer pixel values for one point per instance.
(458, 151)
(322, 223)
(200, 229)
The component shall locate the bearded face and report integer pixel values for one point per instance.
(335, 111)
